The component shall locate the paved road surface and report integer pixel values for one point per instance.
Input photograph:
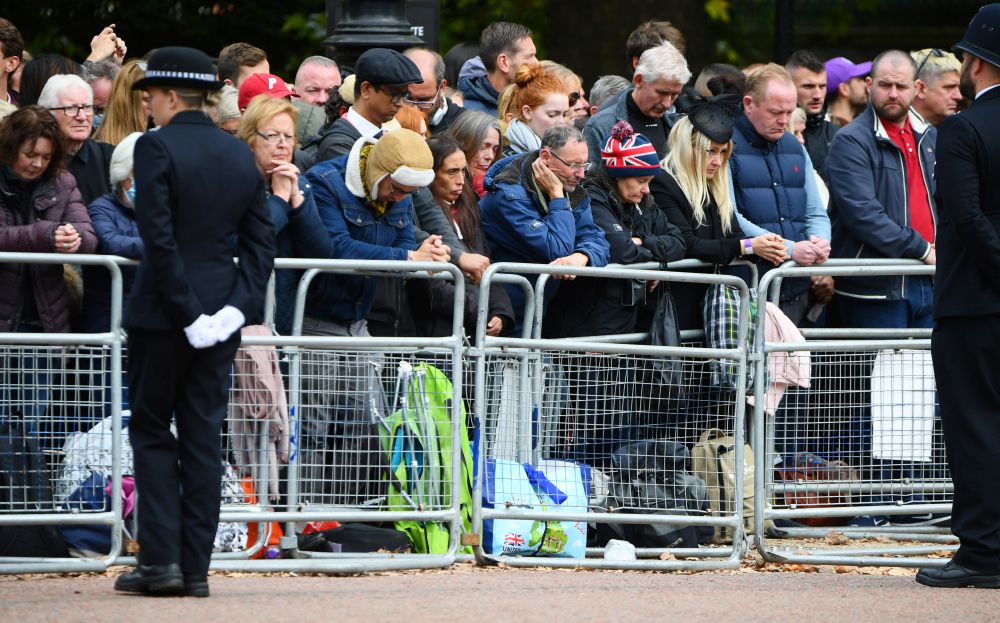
(466, 593)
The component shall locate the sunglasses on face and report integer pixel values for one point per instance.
(574, 97)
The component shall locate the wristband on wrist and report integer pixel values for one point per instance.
(748, 246)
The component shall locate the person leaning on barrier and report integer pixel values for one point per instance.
(268, 127)
(967, 309)
(113, 216)
(432, 302)
(197, 190)
(71, 102)
(636, 232)
(537, 212)
(772, 181)
(43, 213)
(694, 195)
(881, 171)
(364, 203)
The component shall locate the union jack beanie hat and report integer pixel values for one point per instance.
(627, 154)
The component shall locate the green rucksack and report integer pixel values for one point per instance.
(417, 439)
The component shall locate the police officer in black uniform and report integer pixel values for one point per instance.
(966, 339)
(197, 190)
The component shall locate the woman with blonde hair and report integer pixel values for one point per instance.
(268, 127)
(578, 104)
(540, 102)
(695, 196)
(127, 110)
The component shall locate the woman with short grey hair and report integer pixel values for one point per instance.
(113, 216)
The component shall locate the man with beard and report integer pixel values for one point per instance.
(881, 169)
(845, 88)
(809, 75)
(967, 309)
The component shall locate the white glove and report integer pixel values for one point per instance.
(228, 320)
(202, 333)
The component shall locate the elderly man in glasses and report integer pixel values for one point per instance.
(71, 101)
(380, 86)
(937, 92)
(535, 210)
(428, 96)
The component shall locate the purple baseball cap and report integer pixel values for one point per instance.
(840, 70)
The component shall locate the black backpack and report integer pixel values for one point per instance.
(25, 488)
(652, 477)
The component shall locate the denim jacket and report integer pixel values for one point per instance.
(356, 233)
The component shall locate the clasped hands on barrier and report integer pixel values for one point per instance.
(208, 331)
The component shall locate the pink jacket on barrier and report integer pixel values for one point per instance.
(258, 399)
(783, 369)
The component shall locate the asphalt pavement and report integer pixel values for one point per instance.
(467, 593)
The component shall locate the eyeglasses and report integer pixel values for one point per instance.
(72, 111)
(424, 104)
(394, 96)
(574, 97)
(276, 138)
(935, 53)
(573, 165)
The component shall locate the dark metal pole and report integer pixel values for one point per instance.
(366, 24)
(783, 30)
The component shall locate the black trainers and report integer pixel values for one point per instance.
(152, 580)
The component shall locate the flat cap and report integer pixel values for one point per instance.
(386, 67)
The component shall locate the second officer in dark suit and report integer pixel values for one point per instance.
(966, 338)
(197, 189)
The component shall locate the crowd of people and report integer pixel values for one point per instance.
(491, 155)
(512, 163)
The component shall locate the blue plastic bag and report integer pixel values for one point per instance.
(553, 486)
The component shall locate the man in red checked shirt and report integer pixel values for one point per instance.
(881, 173)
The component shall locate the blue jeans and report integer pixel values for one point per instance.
(913, 311)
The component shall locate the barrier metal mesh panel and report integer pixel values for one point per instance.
(53, 401)
(372, 432)
(867, 431)
(602, 411)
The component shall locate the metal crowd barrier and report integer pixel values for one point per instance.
(553, 405)
(54, 388)
(853, 465)
(343, 396)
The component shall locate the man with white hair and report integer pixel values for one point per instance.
(648, 106)
(71, 101)
(937, 92)
(316, 78)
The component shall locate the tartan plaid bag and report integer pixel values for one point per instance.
(721, 315)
